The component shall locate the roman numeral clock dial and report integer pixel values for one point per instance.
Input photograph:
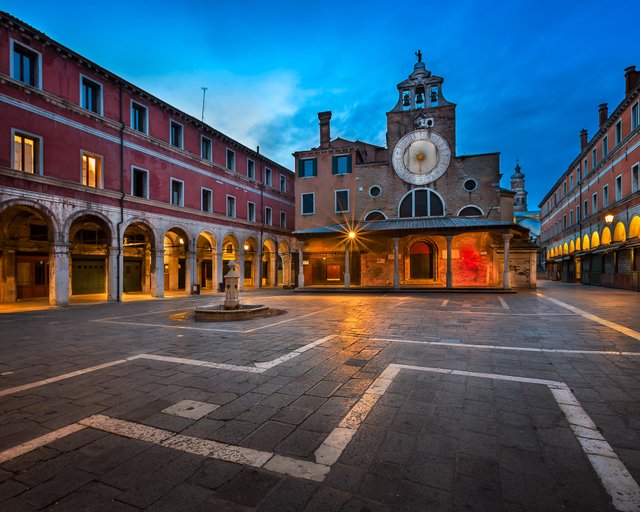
(421, 157)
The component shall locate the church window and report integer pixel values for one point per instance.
(470, 185)
(374, 215)
(421, 202)
(341, 164)
(470, 211)
(375, 191)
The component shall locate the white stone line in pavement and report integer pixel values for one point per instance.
(31, 445)
(616, 479)
(270, 364)
(207, 448)
(444, 303)
(114, 320)
(612, 325)
(50, 380)
(503, 302)
(259, 367)
(512, 348)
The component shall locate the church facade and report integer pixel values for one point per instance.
(411, 214)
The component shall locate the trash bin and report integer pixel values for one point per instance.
(220, 287)
(195, 289)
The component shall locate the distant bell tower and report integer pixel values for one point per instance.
(420, 106)
(517, 186)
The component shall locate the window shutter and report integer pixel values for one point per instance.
(334, 165)
(349, 163)
(315, 167)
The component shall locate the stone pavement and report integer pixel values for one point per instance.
(364, 403)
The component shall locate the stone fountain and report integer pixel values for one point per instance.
(231, 309)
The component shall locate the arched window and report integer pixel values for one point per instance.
(374, 215)
(421, 261)
(421, 202)
(470, 211)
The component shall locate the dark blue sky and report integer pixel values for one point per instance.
(527, 76)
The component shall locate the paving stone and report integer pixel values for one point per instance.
(289, 495)
(249, 487)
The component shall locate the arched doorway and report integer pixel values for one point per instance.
(25, 245)
(138, 245)
(205, 260)
(421, 261)
(176, 246)
(90, 238)
(269, 263)
(250, 265)
(229, 252)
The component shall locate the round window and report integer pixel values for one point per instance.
(470, 185)
(375, 191)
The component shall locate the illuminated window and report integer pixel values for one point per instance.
(26, 153)
(138, 117)
(25, 65)
(90, 95)
(421, 202)
(91, 170)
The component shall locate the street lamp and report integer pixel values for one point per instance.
(352, 234)
(608, 218)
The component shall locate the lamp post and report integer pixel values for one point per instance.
(608, 218)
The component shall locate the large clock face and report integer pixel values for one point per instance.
(421, 157)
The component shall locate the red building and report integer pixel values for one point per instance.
(590, 219)
(105, 188)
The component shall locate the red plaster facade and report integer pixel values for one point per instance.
(82, 150)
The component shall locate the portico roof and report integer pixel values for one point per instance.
(433, 225)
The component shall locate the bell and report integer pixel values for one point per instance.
(434, 96)
(419, 99)
(406, 101)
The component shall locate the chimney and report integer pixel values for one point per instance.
(583, 140)
(631, 79)
(325, 128)
(603, 114)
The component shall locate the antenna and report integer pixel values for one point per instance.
(204, 91)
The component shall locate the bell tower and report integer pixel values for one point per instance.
(421, 105)
(517, 186)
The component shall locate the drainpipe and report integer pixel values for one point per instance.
(119, 226)
(261, 218)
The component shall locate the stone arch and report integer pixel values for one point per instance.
(634, 227)
(572, 246)
(619, 233)
(374, 215)
(421, 260)
(205, 243)
(586, 244)
(28, 232)
(578, 243)
(606, 236)
(251, 261)
(595, 239)
(268, 264)
(102, 218)
(139, 246)
(565, 248)
(470, 210)
(177, 269)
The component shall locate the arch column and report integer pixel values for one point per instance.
(273, 278)
(59, 274)
(449, 238)
(219, 263)
(300, 264)
(347, 270)
(286, 268)
(114, 281)
(241, 269)
(396, 262)
(157, 272)
(190, 271)
(506, 276)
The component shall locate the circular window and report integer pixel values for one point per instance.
(375, 191)
(470, 185)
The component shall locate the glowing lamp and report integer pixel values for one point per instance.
(352, 234)
(181, 241)
(608, 218)
(246, 247)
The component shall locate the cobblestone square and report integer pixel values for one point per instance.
(348, 402)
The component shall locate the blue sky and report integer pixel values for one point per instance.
(527, 76)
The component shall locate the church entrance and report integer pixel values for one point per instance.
(421, 261)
